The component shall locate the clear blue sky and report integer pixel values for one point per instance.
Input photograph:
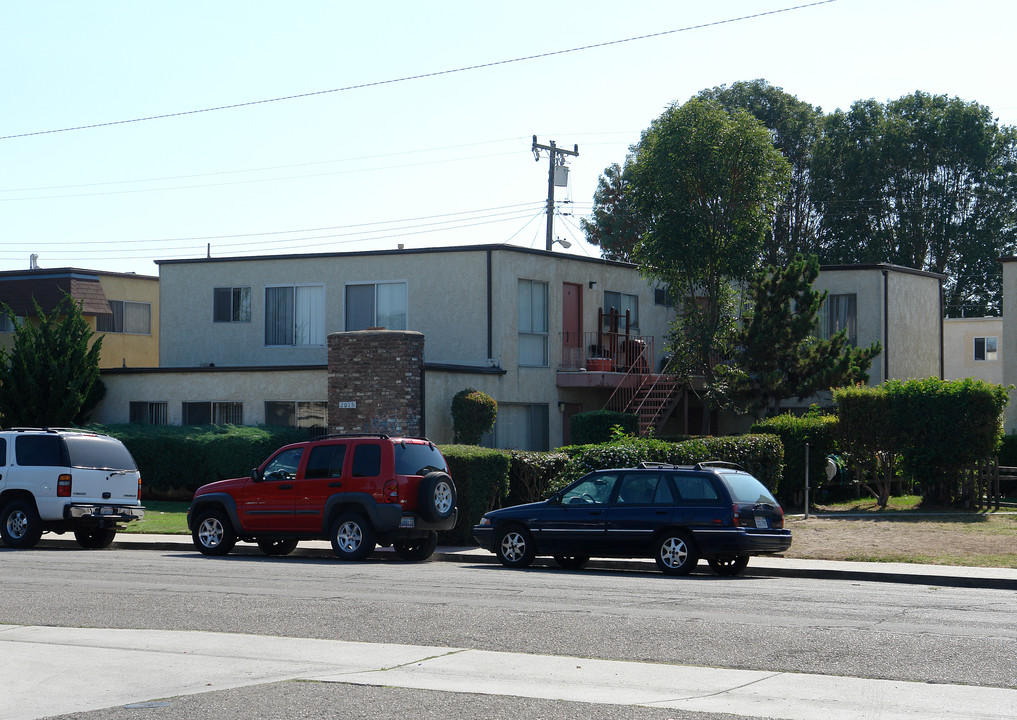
(442, 160)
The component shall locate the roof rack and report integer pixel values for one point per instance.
(719, 463)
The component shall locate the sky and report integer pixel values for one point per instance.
(406, 123)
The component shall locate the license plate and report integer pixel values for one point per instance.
(106, 511)
(406, 522)
(761, 522)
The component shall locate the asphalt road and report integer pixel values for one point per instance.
(920, 633)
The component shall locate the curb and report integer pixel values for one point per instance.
(933, 575)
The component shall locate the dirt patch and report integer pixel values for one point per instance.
(977, 540)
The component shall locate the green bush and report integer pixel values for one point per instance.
(589, 428)
(176, 460)
(819, 432)
(1008, 450)
(934, 428)
(531, 474)
(761, 455)
(481, 479)
(473, 414)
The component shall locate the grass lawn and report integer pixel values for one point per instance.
(164, 518)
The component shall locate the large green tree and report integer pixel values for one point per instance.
(927, 182)
(794, 128)
(705, 182)
(50, 375)
(777, 355)
(614, 225)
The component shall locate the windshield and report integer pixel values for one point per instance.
(746, 489)
(98, 452)
(418, 459)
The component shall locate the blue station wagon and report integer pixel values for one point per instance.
(674, 514)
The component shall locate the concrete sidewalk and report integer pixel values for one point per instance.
(763, 566)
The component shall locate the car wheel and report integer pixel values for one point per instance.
(729, 566)
(95, 538)
(572, 562)
(676, 554)
(213, 534)
(514, 547)
(419, 549)
(352, 537)
(283, 546)
(20, 526)
(436, 497)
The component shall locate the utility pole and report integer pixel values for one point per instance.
(557, 158)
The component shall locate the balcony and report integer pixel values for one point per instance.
(604, 359)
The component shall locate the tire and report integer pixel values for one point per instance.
(353, 538)
(20, 526)
(514, 547)
(436, 497)
(277, 547)
(213, 534)
(417, 550)
(729, 566)
(95, 538)
(572, 562)
(676, 553)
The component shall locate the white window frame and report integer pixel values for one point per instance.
(533, 329)
(305, 413)
(128, 315)
(987, 354)
(221, 412)
(155, 412)
(315, 332)
(240, 308)
(375, 321)
(633, 307)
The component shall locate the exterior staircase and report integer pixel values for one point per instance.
(651, 397)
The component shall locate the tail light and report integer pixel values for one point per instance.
(777, 521)
(64, 485)
(391, 491)
(139, 488)
(734, 515)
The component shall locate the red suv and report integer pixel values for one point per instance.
(358, 491)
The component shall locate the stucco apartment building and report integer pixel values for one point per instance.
(122, 307)
(244, 340)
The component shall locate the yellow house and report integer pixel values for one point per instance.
(122, 307)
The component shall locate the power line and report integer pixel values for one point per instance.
(438, 73)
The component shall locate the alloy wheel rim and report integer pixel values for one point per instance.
(17, 524)
(513, 546)
(674, 552)
(210, 533)
(443, 497)
(349, 536)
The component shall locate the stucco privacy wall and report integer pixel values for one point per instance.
(374, 382)
(959, 349)
(251, 386)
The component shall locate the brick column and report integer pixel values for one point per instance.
(375, 382)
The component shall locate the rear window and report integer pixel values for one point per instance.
(98, 452)
(417, 459)
(40, 451)
(746, 489)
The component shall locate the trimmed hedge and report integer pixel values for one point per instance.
(761, 455)
(176, 460)
(531, 474)
(589, 428)
(481, 476)
(820, 432)
(936, 428)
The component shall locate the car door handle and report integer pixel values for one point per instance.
(335, 484)
(286, 486)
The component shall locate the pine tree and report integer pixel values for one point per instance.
(50, 375)
(777, 355)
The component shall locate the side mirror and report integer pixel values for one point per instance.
(256, 475)
(556, 498)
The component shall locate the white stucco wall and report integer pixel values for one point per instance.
(1009, 339)
(250, 387)
(958, 349)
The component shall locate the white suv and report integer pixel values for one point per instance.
(59, 480)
